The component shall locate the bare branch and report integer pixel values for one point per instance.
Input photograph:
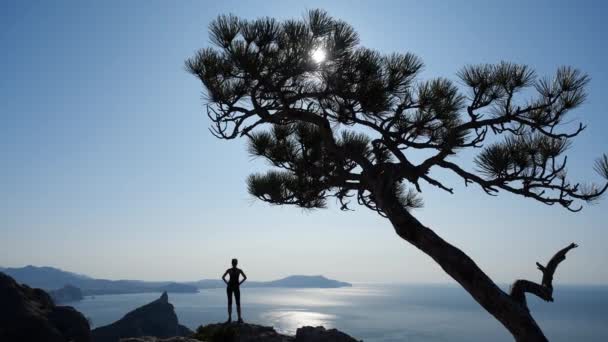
(545, 289)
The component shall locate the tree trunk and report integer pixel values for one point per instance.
(513, 315)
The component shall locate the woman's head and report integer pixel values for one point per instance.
(234, 262)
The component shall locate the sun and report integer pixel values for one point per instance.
(318, 55)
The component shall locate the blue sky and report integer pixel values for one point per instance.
(107, 167)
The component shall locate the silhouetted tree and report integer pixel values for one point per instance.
(347, 127)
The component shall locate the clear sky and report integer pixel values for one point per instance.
(107, 167)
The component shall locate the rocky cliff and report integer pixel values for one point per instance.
(157, 319)
(28, 315)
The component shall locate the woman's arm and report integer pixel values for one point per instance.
(224, 277)
(244, 277)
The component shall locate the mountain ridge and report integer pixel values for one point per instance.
(51, 278)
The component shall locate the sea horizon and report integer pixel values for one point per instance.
(502, 285)
(375, 313)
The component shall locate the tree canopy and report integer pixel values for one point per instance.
(325, 124)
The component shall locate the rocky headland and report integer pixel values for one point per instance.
(157, 319)
(66, 294)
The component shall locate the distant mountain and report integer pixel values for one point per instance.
(208, 283)
(50, 278)
(295, 281)
(300, 281)
(178, 288)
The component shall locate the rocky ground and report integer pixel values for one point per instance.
(156, 339)
(253, 333)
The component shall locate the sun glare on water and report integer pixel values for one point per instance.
(318, 55)
(288, 321)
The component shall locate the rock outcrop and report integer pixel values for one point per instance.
(258, 333)
(239, 333)
(156, 339)
(320, 334)
(156, 319)
(66, 294)
(28, 314)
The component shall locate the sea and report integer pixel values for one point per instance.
(376, 312)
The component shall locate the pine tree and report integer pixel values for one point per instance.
(345, 126)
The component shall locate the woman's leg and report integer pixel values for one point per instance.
(237, 297)
(229, 294)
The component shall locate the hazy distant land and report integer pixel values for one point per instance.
(50, 278)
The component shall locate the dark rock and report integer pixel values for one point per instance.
(239, 333)
(256, 333)
(28, 314)
(68, 293)
(157, 319)
(320, 334)
(71, 323)
(156, 339)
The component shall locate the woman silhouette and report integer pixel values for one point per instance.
(233, 285)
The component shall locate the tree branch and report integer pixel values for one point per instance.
(545, 289)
